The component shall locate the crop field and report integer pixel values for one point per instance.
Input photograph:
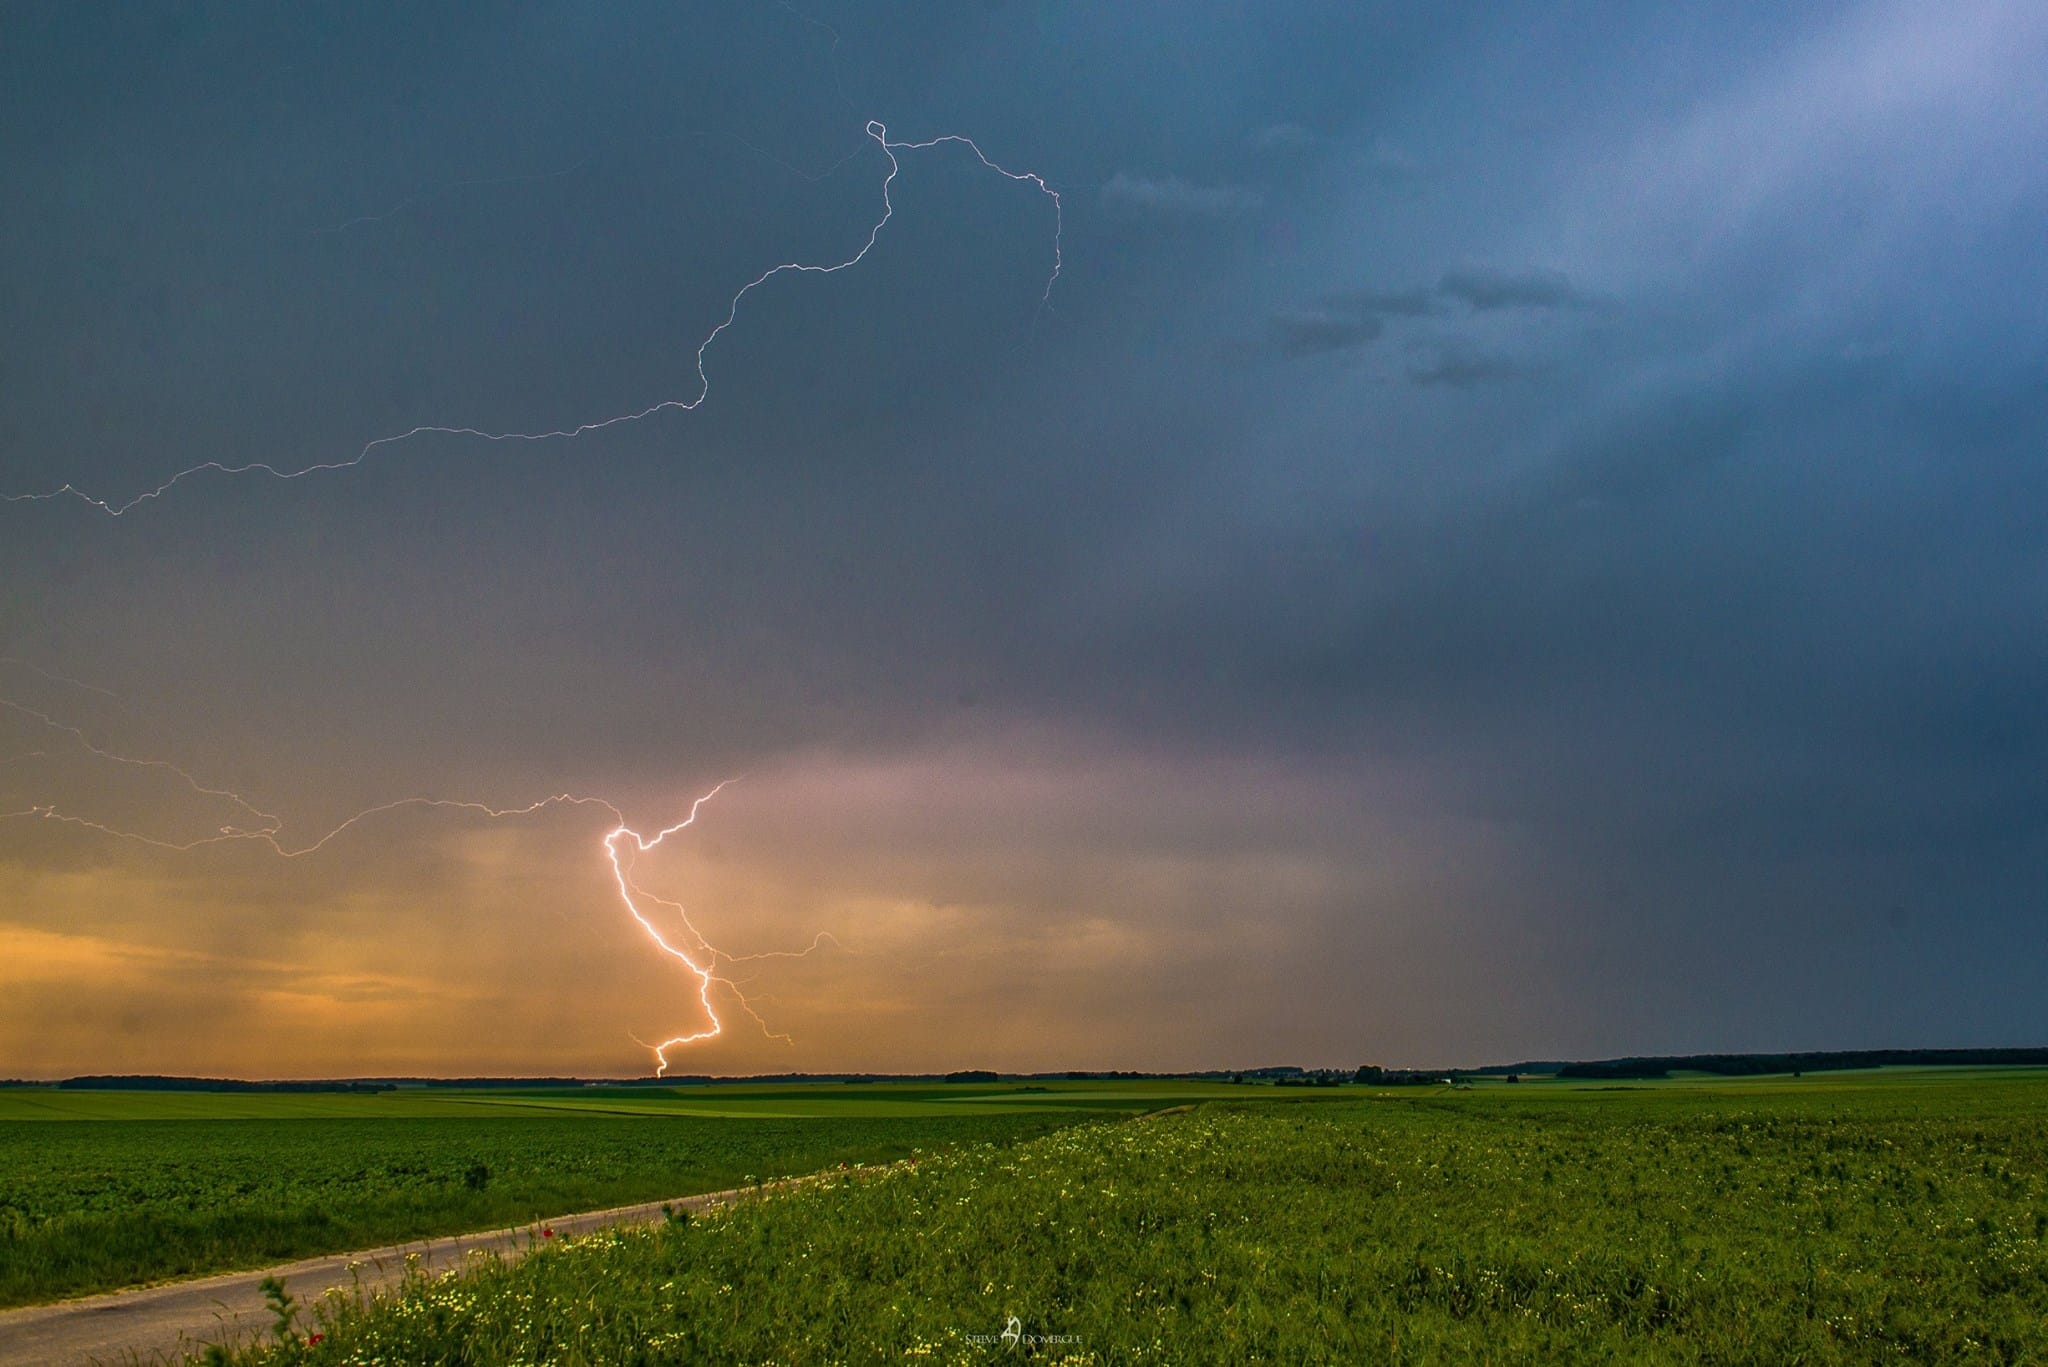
(1850, 1218)
(107, 1189)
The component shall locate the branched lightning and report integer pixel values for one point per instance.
(268, 824)
(876, 131)
(622, 845)
(64, 679)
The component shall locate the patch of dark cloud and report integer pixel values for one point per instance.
(1484, 289)
(1135, 196)
(1409, 303)
(1344, 321)
(1354, 317)
(1314, 333)
(1461, 363)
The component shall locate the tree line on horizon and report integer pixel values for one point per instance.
(1817, 1061)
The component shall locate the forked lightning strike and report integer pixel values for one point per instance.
(622, 844)
(876, 131)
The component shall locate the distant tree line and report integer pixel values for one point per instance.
(1374, 1075)
(1747, 1065)
(135, 1083)
(472, 1084)
(1318, 1077)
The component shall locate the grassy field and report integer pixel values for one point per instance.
(801, 1100)
(106, 1189)
(1846, 1218)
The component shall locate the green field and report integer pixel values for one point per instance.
(107, 1189)
(1900, 1216)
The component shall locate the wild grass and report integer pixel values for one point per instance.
(92, 1205)
(1841, 1221)
(729, 1100)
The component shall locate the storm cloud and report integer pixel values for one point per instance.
(1305, 334)
(1578, 595)
(1485, 289)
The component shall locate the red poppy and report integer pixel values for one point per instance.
(314, 1338)
(547, 1234)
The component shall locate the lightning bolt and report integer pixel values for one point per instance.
(876, 131)
(621, 844)
(64, 679)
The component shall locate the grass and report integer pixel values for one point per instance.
(108, 1189)
(806, 1100)
(89, 1206)
(1852, 1218)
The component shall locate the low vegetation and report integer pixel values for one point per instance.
(1865, 1218)
(88, 1205)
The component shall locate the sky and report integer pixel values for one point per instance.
(1514, 533)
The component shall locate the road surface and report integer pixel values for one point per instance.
(171, 1322)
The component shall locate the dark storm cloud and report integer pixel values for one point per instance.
(1352, 318)
(1485, 289)
(1611, 667)
(1405, 303)
(1309, 334)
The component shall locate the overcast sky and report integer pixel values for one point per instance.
(1516, 532)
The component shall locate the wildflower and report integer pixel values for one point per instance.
(546, 1232)
(312, 1339)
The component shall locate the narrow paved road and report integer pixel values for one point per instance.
(169, 1323)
